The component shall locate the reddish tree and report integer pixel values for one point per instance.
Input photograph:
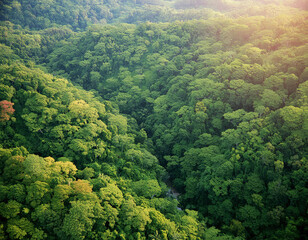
(6, 110)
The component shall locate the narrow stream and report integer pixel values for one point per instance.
(172, 193)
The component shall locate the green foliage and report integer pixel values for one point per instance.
(56, 205)
(147, 188)
(210, 114)
(79, 15)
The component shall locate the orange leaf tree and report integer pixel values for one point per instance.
(6, 110)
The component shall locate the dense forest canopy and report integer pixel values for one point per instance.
(79, 14)
(137, 119)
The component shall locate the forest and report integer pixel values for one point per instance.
(153, 119)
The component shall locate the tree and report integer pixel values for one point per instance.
(10, 209)
(36, 169)
(17, 192)
(292, 117)
(190, 224)
(61, 194)
(47, 218)
(6, 92)
(7, 110)
(81, 186)
(14, 168)
(79, 221)
(249, 216)
(19, 228)
(147, 188)
(118, 124)
(38, 192)
(112, 195)
(271, 99)
(134, 218)
(82, 113)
